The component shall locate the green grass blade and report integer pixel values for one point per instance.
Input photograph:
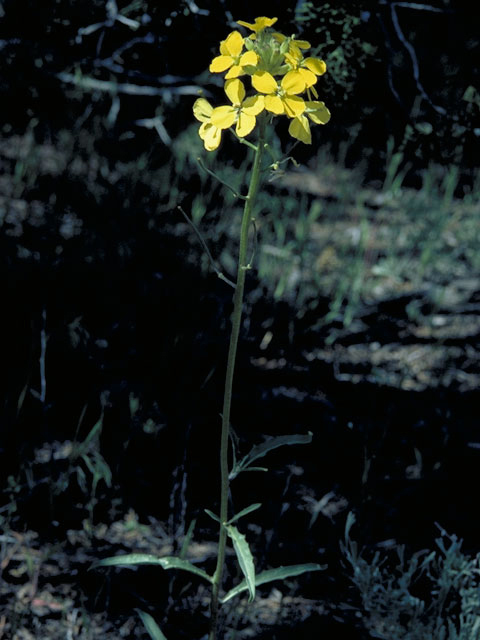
(151, 626)
(280, 573)
(245, 559)
(167, 562)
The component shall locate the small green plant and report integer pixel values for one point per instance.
(279, 75)
(431, 595)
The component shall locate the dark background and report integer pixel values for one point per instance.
(94, 262)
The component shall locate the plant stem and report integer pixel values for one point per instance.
(232, 352)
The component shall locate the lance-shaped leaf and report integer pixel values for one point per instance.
(167, 562)
(259, 450)
(212, 515)
(151, 626)
(243, 512)
(245, 559)
(280, 573)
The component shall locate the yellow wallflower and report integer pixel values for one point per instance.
(306, 69)
(232, 58)
(243, 111)
(280, 99)
(208, 132)
(259, 25)
(294, 45)
(300, 127)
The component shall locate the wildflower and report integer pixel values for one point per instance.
(280, 99)
(291, 44)
(243, 111)
(306, 69)
(208, 132)
(259, 25)
(232, 58)
(300, 127)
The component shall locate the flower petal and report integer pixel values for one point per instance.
(211, 137)
(235, 91)
(223, 117)
(234, 44)
(317, 66)
(264, 82)
(317, 112)
(259, 25)
(274, 104)
(253, 105)
(293, 83)
(234, 71)
(302, 44)
(300, 130)
(309, 77)
(245, 124)
(202, 109)
(249, 58)
(220, 63)
(293, 105)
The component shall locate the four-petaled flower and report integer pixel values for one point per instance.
(283, 98)
(232, 58)
(306, 69)
(300, 127)
(243, 112)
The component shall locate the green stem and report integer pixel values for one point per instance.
(232, 352)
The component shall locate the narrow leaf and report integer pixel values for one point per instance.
(280, 573)
(212, 515)
(151, 626)
(236, 470)
(187, 539)
(245, 559)
(244, 512)
(272, 443)
(167, 562)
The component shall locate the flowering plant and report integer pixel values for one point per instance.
(279, 76)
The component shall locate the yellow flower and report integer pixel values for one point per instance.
(281, 99)
(300, 127)
(306, 69)
(243, 111)
(259, 25)
(232, 58)
(208, 132)
(294, 46)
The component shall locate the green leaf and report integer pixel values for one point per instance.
(262, 449)
(243, 512)
(167, 562)
(280, 573)
(187, 539)
(245, 559)
(212, 515)
(151, 626)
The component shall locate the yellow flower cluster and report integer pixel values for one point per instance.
(279, 73)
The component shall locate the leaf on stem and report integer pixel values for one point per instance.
(245, 559)
(244, 512)
(212, 515)
(280, 573)
(167, 562)
(259, 450)
(151, 626)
